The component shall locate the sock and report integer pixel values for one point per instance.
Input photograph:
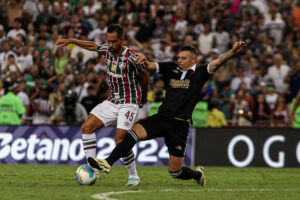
(122, 149)
(129, 163)
(186, 173)
(89, 144)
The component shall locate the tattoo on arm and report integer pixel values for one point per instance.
(224, 58)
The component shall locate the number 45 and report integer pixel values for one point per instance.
(129, 115)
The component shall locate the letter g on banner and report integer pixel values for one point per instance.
(230, 151)
(266, 151)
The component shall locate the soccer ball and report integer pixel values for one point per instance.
(85, 175)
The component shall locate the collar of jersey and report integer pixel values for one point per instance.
(192, 68)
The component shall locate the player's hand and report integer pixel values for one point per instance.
(140, 58)
(62, 42)
(239, 46)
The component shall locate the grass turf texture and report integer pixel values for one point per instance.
(57, 182)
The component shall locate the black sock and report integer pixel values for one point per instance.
(122, 149)
(186, 173)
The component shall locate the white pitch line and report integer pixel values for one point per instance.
(105, 196)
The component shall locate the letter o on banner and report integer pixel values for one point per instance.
(298, 152)
(230, 151)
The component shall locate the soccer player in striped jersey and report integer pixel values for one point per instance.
(128, 89)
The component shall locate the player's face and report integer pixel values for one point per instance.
(186, 60)
(114, 42)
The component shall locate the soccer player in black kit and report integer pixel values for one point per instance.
(185, 82)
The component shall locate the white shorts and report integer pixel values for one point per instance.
(123, 114)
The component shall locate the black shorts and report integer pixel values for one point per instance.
(174, 131)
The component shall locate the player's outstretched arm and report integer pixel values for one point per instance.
(141, 59)
(92, 46)
(222, 59)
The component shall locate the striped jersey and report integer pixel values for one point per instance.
(122, 72)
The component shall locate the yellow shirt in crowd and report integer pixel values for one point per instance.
(215, 119)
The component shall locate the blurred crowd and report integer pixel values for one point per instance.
(256, 88)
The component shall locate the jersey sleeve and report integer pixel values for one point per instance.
(205, 75)
(102, 49)
(139, 68)
(164, 68)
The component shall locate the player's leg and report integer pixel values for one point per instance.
(176, 139)
(100, 116)
(121, 150)
(126, 117)
(88, 128)
(143, 130)
(128, 160)
(185, 173)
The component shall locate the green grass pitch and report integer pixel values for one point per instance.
(45, 182)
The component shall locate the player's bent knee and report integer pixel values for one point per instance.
(119, 139)
(140, 131)
(86, 129)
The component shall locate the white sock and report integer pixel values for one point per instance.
(129, 163)
(89, 144)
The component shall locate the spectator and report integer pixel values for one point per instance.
(43, 108)
(277, 73)
(271, 97)
(33, 77)
(215, 118)
(25, 101)
(222, 38)
(11, 108)
(199, 115)
(157, 91)
(90, 11)
(5, 53)
(11, 66)
(91, 100)
(14, 10)
(100, 30)
(25, 60)
(241, 77)
(280, 114)
(262, 111)
(45, 16)
(295, 111)
(275, 27)
(81, 89)
(241, 115)
(13, 33)
(61, 60)
(206, 41)
(70, 111)
(293, 79)
(76, 26)
(164, 52)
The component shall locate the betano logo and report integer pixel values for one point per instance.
(43, 149)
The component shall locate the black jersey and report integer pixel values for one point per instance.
(181, 95)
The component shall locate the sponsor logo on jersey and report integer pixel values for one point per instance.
(179, 83)
(179, 147)
(175, 71)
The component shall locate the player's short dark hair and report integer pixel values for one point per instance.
(189, 48)
(116, 28)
